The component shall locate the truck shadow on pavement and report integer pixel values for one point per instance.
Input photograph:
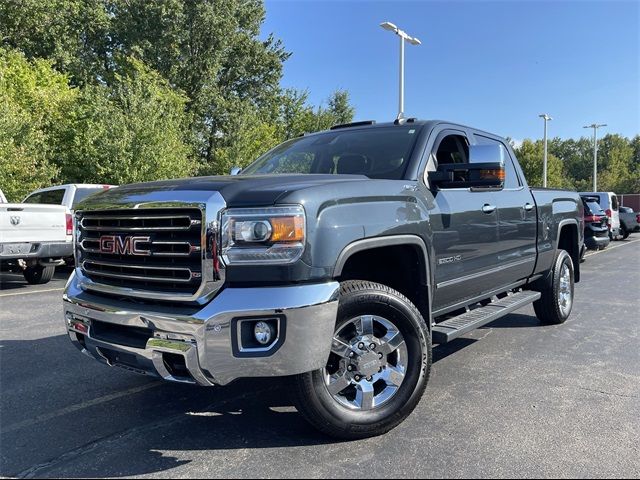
(15, 281)
(64, 415)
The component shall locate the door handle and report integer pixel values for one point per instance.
(488, 208)
(528, 207)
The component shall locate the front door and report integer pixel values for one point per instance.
(465, 231)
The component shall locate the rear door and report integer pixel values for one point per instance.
(465, 230)
(517, 221)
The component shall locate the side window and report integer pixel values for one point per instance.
(33, 198)
(614, 202)
(51, 197)
(511, 180)
(453, 149)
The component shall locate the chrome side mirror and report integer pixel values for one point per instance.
(235, 170)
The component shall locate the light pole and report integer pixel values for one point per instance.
(413, 41)
(595, 127)
(544, 163)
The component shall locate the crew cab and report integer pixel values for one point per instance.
(337, 258)
(34, 239)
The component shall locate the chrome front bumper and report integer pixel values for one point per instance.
(204, 338)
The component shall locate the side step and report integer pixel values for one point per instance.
(454, 327)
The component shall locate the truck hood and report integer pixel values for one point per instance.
(237, 191)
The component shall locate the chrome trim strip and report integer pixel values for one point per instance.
(448, 283)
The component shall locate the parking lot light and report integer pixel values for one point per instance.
(413, 41)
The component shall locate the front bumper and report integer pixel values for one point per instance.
(200, 345)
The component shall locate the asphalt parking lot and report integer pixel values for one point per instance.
(512, 399)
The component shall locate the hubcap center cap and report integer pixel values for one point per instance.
(368, 364)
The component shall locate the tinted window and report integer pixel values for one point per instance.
(381, 152)
(626, 210)
(51, 197)
(82, 193)
(511, 177)
(453, 149)
(592, 208)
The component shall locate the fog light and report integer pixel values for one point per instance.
(263, 333)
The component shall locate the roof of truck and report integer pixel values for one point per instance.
(405, 122)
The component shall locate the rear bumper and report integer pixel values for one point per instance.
(40, 250)
(594, 243)
(201, 346)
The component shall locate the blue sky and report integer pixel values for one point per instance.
(492, 65)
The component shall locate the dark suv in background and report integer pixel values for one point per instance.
(629, 221)
(596, 230)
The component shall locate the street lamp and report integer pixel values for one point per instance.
(413, 41)
(595, 127)
(544, 163)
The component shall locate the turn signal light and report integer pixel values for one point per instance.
(287, 229)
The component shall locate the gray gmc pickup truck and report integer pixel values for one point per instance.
(336, 258)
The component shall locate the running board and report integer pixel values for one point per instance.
(454, 327)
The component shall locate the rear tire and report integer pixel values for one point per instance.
(554, 307)
(351, 398)
(624, 232)
(39, 274)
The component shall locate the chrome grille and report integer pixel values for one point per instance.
(170, 240)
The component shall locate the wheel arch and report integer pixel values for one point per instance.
(356, 261)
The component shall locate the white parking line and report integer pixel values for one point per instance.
(31, 292)
(78, 406)
(608, 249)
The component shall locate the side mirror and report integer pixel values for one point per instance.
(235, 170)
(485, 170)
(488, 175)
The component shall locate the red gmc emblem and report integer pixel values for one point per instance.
(123, 245)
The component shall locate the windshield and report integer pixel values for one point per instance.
(83, 192)
(381, 152)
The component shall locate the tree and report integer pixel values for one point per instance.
(132, 131)
(209, 52)
(619, 174)
(531, 157)
(34, 101)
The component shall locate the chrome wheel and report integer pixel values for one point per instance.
(565, 294)
(367, 364)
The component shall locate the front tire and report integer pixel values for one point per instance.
(554, 307)
(378, 368)
(39, 274)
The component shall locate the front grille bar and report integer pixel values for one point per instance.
(188, 248)
(189, 275)
(116, 223)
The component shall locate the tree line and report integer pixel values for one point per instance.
(121, 91)
(570, 163)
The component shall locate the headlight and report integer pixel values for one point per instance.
(263, 235)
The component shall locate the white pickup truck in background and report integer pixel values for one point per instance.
(34, 238)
